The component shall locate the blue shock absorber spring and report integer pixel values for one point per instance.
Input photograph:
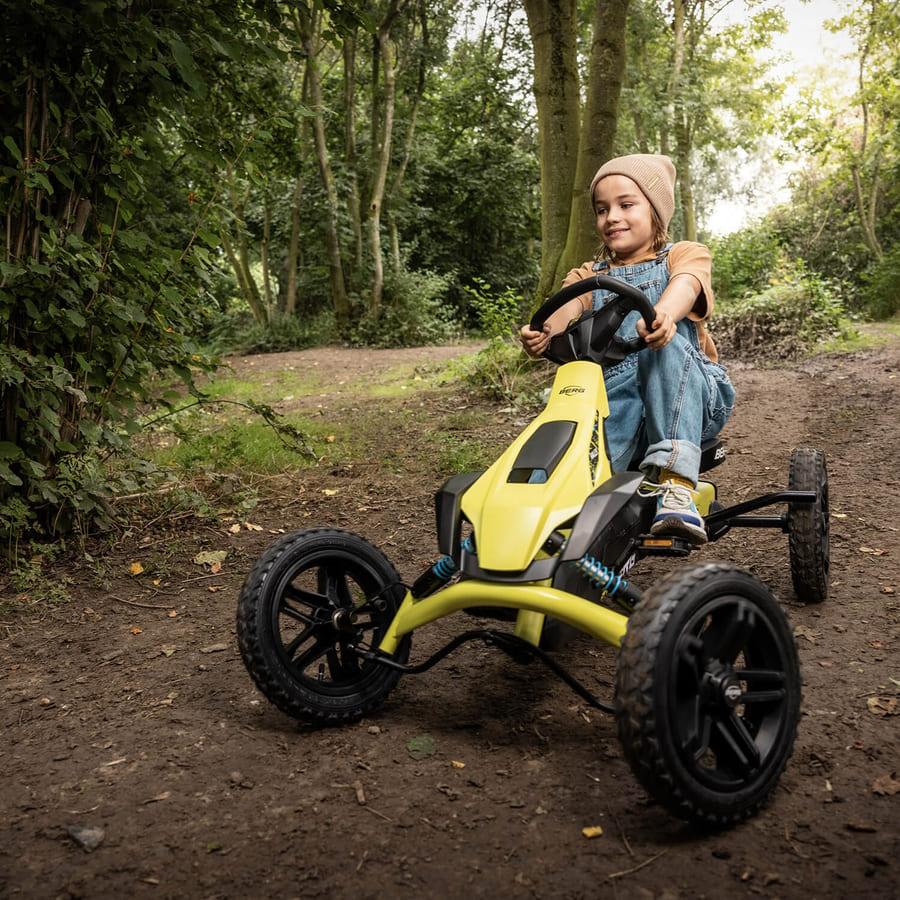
(600, 576)
(444, 568)
(468, 544)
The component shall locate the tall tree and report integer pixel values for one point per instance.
(574, 142)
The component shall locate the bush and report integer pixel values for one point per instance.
(415, 312)
(744, 262)
(499, 314)
(881, 286)
(784, 321)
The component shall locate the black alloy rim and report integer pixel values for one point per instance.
(728, 688)
(325, 605)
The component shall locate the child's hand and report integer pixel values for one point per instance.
(663, 330)
(535, 342)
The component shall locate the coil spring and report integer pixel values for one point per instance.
(444, 568)
(600, 576)
(468, 544)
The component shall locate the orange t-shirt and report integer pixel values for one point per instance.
(684, 258)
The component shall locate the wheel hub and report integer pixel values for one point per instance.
(722, 689)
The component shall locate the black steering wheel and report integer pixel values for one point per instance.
(593, 335)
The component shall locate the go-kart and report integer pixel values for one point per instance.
(707, 688)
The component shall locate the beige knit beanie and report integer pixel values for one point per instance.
(654, 175)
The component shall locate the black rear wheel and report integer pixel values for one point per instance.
(808, 526)
(312, 598)
(708, 693)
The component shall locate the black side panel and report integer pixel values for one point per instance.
(599, 510)
(712, 452)
(546, 447)
(447, 502)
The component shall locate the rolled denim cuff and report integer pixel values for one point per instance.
(679, 457)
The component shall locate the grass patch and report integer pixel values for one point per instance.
(869, 336)
(456, 454)
(277, 388)
(202, 442)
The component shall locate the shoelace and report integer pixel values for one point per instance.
(674, 496)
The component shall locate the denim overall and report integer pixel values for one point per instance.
(662, 403)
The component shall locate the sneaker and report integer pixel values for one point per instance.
(676, 513)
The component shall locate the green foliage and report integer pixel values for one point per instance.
(881, 285)
(283, 332)
(786, 320)
(499, 313)
(415, 312)
(458, 454)
(744, 261)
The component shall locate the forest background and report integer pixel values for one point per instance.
(180, 181)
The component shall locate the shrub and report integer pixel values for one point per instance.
(784, 321)
(881, 286)
(499, 314)
(744, 262)
(415, 312)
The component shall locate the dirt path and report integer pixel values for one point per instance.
(144, 725)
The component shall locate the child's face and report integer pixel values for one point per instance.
(624, 216)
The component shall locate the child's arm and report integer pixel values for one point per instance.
(677, 301)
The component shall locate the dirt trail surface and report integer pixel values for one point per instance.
(142, 730)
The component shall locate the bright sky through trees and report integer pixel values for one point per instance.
(807, 51)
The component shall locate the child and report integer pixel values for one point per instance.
(664, 403)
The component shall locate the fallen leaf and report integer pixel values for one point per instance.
(874, 551)
(136, 630)
(214, 648)
(167, 649)
(882, 706)
(887, 589)
(251, 527)
(886, 785)
(592, 831)
(135, 568)
(234, 529)
(457, 764)
(329, 492)
(156, 581)
(801, 631)
(213, 588)
(330, 439)
(215, 568)
(172, 614)
(421, 746)
(839, 515)
(208, 557)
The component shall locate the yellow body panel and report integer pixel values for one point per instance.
(704, 496)
(512, 521)
(602, 623)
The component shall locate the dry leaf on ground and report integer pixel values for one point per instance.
(136, 630)
(210, 557)
(592, 831)
(234, 529)
(882, 706)
(886, 785)
(135, 568)
(251, 527)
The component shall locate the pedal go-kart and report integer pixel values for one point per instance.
(707, 690)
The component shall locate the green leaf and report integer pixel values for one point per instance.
(10, 145)
(9, 450)
(420, 746)
(76, 318)
(184, 59)
(7, 475)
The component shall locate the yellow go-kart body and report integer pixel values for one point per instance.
(513, 510)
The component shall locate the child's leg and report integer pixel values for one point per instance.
(686, 400)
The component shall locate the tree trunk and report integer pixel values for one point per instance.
(683, 146)
(598, 129)
(552, 24)
(349, 52)
(290, 294)
(264, 255)
(308, 31)
(387, 52)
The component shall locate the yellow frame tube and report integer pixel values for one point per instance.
(596, 620)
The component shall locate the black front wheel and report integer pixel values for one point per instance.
(309, 601)
(708, 693)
